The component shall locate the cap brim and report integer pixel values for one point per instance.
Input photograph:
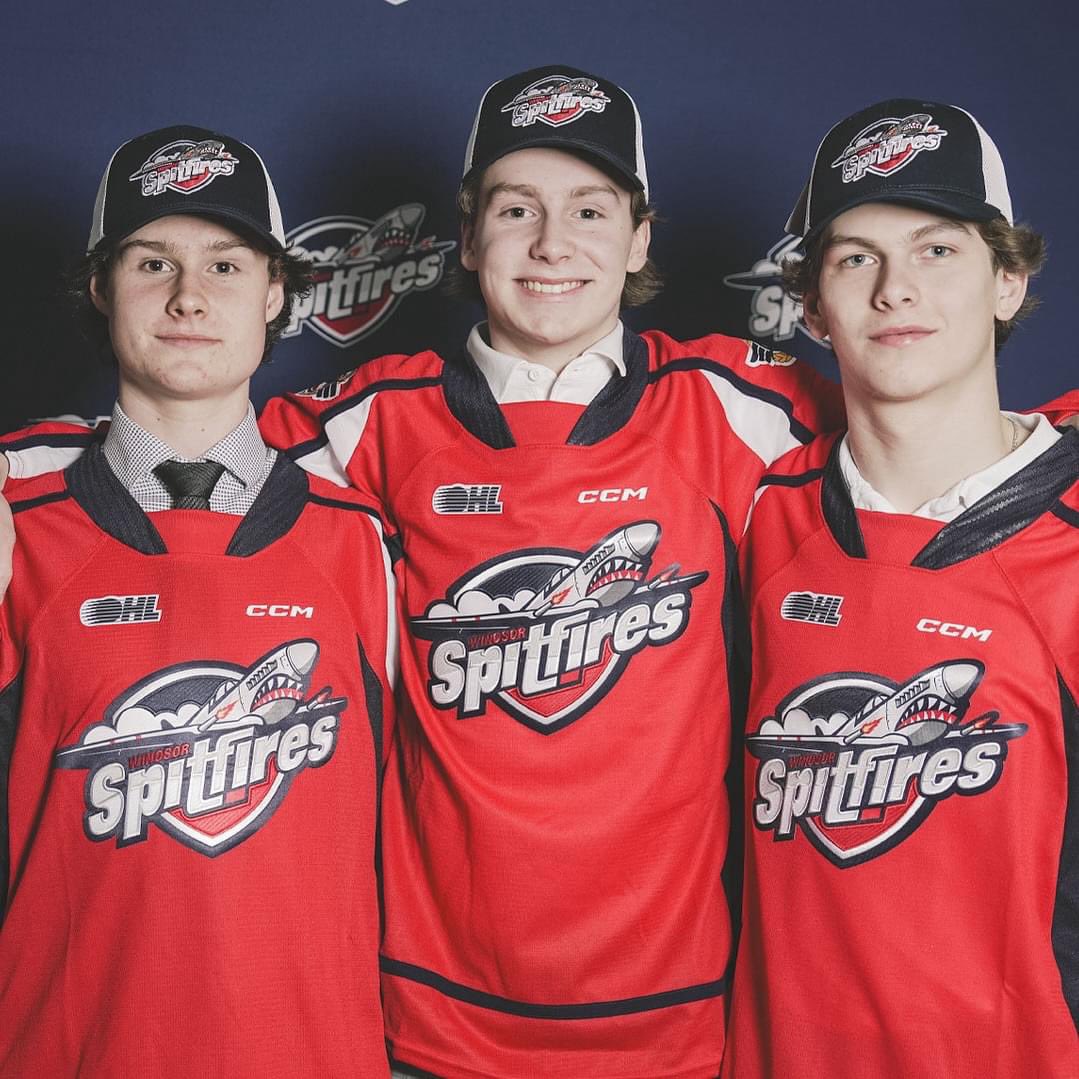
(579, 146)
(950, 203)
(240, 222)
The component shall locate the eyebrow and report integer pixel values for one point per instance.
(838, 239)
(529, 191)
(164, 247)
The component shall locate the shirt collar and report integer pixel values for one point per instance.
(133, 452)
(950, 504)
(498, 367)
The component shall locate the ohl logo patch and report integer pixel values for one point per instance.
(546, 632)
(205, 751)
(363, 269)
(888, 145)
(184, 166)
(858, 762)
(556, 100)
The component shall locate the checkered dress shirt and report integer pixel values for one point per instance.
(133, 452)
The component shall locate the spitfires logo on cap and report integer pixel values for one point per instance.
(184, 166)
(205, 751)
(556, 100)
(857, 761)
(545, 633)
(888, 145)
(363, 269)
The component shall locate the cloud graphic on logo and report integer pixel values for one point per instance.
(470, 604)
(799, 721)
(139, 720)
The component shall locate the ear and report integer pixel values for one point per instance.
(275, 299)
(1011, 292)
(638, 248)
(814, 316)
(98, 296)
(468, 249)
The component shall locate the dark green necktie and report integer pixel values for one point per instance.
(190, 483)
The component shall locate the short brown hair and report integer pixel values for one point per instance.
(641, 285)
(1013, 248)
(291, 270)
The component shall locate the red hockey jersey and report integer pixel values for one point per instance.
(554, 816)
(912, 773)
(192, 721)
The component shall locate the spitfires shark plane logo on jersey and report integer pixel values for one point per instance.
(184, 166)
(888, 145)
(858, 761)
(556, 100)
(546, 632)
(363, 270)
(205, 751)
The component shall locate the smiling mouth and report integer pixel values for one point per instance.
(551, 288)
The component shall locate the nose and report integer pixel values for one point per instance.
(895, 287)
(552, 241)
(188, 296)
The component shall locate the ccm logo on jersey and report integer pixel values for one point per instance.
(613, 494)
(112, 610)
(951, 629)
(279, 610)
(453, 499)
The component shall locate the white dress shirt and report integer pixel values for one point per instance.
(512, 379)
(949, 505)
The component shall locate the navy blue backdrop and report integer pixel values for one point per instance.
(361, 110)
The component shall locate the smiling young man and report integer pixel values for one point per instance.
(179, 894)
(564, 493)
(912, 749)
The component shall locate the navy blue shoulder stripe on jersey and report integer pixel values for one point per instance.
(1065, 933)
(1067, 514)
(386, 385)
(750, 389)
(799, 480)
(600, 1009)
(55, 441)
(10, 703)
(838, 509)
(1007, 509)
(341, 504)
(273, 513)
(41, 500)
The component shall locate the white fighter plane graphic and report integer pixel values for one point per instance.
(610, 571)
(929, 706)
(269, 691)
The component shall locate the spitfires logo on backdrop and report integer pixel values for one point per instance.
(556, 100)
(184, 166)
(857, 761)
(888, 145)
(774, 313)
(205, 751)
(363, 270)
(546, 632)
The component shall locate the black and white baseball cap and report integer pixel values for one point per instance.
(919, 153)
(564, 108)
(186, 170)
